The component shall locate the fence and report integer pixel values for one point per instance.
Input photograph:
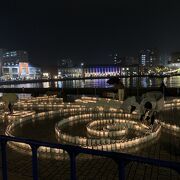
(120, 158)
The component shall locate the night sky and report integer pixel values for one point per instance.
(88, 30)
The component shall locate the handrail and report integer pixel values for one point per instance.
(120, 158)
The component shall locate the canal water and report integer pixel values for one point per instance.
(101, 83)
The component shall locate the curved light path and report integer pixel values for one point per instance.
(107, 127)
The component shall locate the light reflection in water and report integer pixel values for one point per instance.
(46, 84)
(102, 83)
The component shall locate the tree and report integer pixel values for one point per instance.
(118, 86)
(9, 99)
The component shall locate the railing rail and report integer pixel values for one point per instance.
(120, 158)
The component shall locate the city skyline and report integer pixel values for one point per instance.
(89, 31)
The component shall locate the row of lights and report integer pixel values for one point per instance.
(100, 143)
(91, 115)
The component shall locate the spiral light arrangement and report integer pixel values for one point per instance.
(106, 126)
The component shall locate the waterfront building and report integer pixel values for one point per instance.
(15, 65)
(46, 75)
(109, 70)
(71, 72)
(66, 69)
(101, 70)
(21, 70)
(97, 71)
(10, 70)
(34, 72)
(130, 70)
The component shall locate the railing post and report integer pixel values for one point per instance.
(34, 162)
(73, 165)
(4, 159)
(121, 168)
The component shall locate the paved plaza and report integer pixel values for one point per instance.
(19, 165)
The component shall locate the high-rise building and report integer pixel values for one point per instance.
(15, 56)
(130, 60)
(65, 63)
(115, 58)
(165, 59)
(149, 57)
(2, 51)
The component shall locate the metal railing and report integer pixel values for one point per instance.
(120, 158)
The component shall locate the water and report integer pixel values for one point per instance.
(101, 83)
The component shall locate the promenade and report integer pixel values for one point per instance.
(101, 92)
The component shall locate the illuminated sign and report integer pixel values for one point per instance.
(23, 68)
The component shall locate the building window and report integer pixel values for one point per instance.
(6, 70)
(14, 70)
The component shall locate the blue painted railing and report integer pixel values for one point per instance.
(120, 158)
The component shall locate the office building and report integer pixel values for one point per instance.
(15, 65)
(15, 56)
(149, 57)
(21, 70)
(65, 63)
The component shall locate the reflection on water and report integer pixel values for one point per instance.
(102, 83)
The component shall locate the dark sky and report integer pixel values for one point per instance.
(88, 30)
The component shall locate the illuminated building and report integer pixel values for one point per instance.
(46, 75)
(73, 72)
(97, 71)
(21, 70)
(15, 65)
(101, 70)
(34, 72)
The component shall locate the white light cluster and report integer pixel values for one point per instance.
(44, 101)
(105, 141)
(172, 103)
